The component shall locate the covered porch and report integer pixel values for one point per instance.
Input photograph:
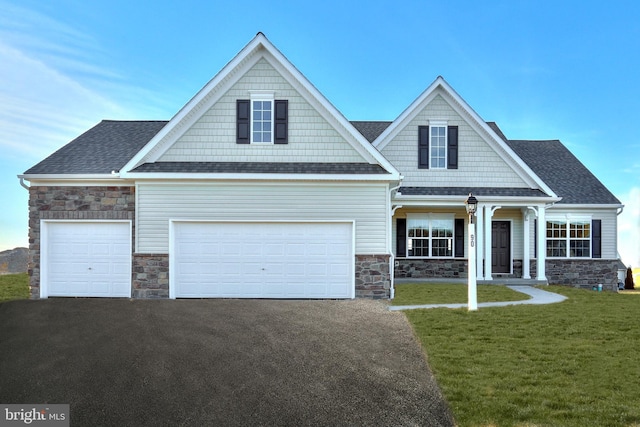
(431, 238)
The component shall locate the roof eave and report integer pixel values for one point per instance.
(70, 176)
(457, 199)
(155, 176)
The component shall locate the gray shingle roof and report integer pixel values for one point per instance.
(261, 167)
(106, 147)
(370, 130)
(477, 191)
(563, 172)
(111, 144)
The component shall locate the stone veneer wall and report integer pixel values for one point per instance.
(150, 276)
(584, 274)
(58, 202)
(373, 279)
(453, 268)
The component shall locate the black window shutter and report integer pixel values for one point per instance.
(243, 113)
(596, 238)
(423, 147)
(458, 232)
(281, 121)
(452, 147)
(401, 237)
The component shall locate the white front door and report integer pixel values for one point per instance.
(86, 259)
(262, 260)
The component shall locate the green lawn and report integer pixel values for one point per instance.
(431, 293)
(574, 363)
(14, 286)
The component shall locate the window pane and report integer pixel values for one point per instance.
(556, 248)
(441, 247)
(420, 247)
(580, 248)
(262, 121)
(438, 144)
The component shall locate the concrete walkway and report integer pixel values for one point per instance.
(538, 296)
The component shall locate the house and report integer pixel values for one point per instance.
(259, 188)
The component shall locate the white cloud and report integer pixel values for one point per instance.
(629, 228)
(40, 108)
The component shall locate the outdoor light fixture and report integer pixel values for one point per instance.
(471, 204)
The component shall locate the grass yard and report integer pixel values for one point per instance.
(574, 363)
(437, 293)
(14, 286)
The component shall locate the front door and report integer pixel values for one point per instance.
(501, 247)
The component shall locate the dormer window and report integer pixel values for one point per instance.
(262, 119)
(437, 146)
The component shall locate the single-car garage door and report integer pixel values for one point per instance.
(86, 259)
(262, 260)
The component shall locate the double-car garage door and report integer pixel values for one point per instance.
(207, 259)
(262, 260)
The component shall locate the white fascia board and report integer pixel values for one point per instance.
(139, 177)
(440, 86)
(75, 179)
(585, 206)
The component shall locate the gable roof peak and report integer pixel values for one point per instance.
(259, 47)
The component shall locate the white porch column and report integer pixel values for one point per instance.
(479, 242)
(542, 246)
(526, 238)
(488, 214)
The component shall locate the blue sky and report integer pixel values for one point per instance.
(563, 70)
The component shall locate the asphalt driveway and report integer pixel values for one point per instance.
(218, 362)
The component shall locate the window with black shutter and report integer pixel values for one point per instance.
(262, 120)
(438, 147)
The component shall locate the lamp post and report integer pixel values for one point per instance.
(472, 204)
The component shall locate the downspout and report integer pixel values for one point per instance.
(25, 186)
(392, 289)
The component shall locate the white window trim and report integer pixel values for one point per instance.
(444, 124)
(431, 217)
(261, 95)
(568, 220)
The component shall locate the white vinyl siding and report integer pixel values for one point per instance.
(478, 164)
(363, 203)
(310, 139)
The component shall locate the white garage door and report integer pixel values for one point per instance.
(262, 260)
(87, 259)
